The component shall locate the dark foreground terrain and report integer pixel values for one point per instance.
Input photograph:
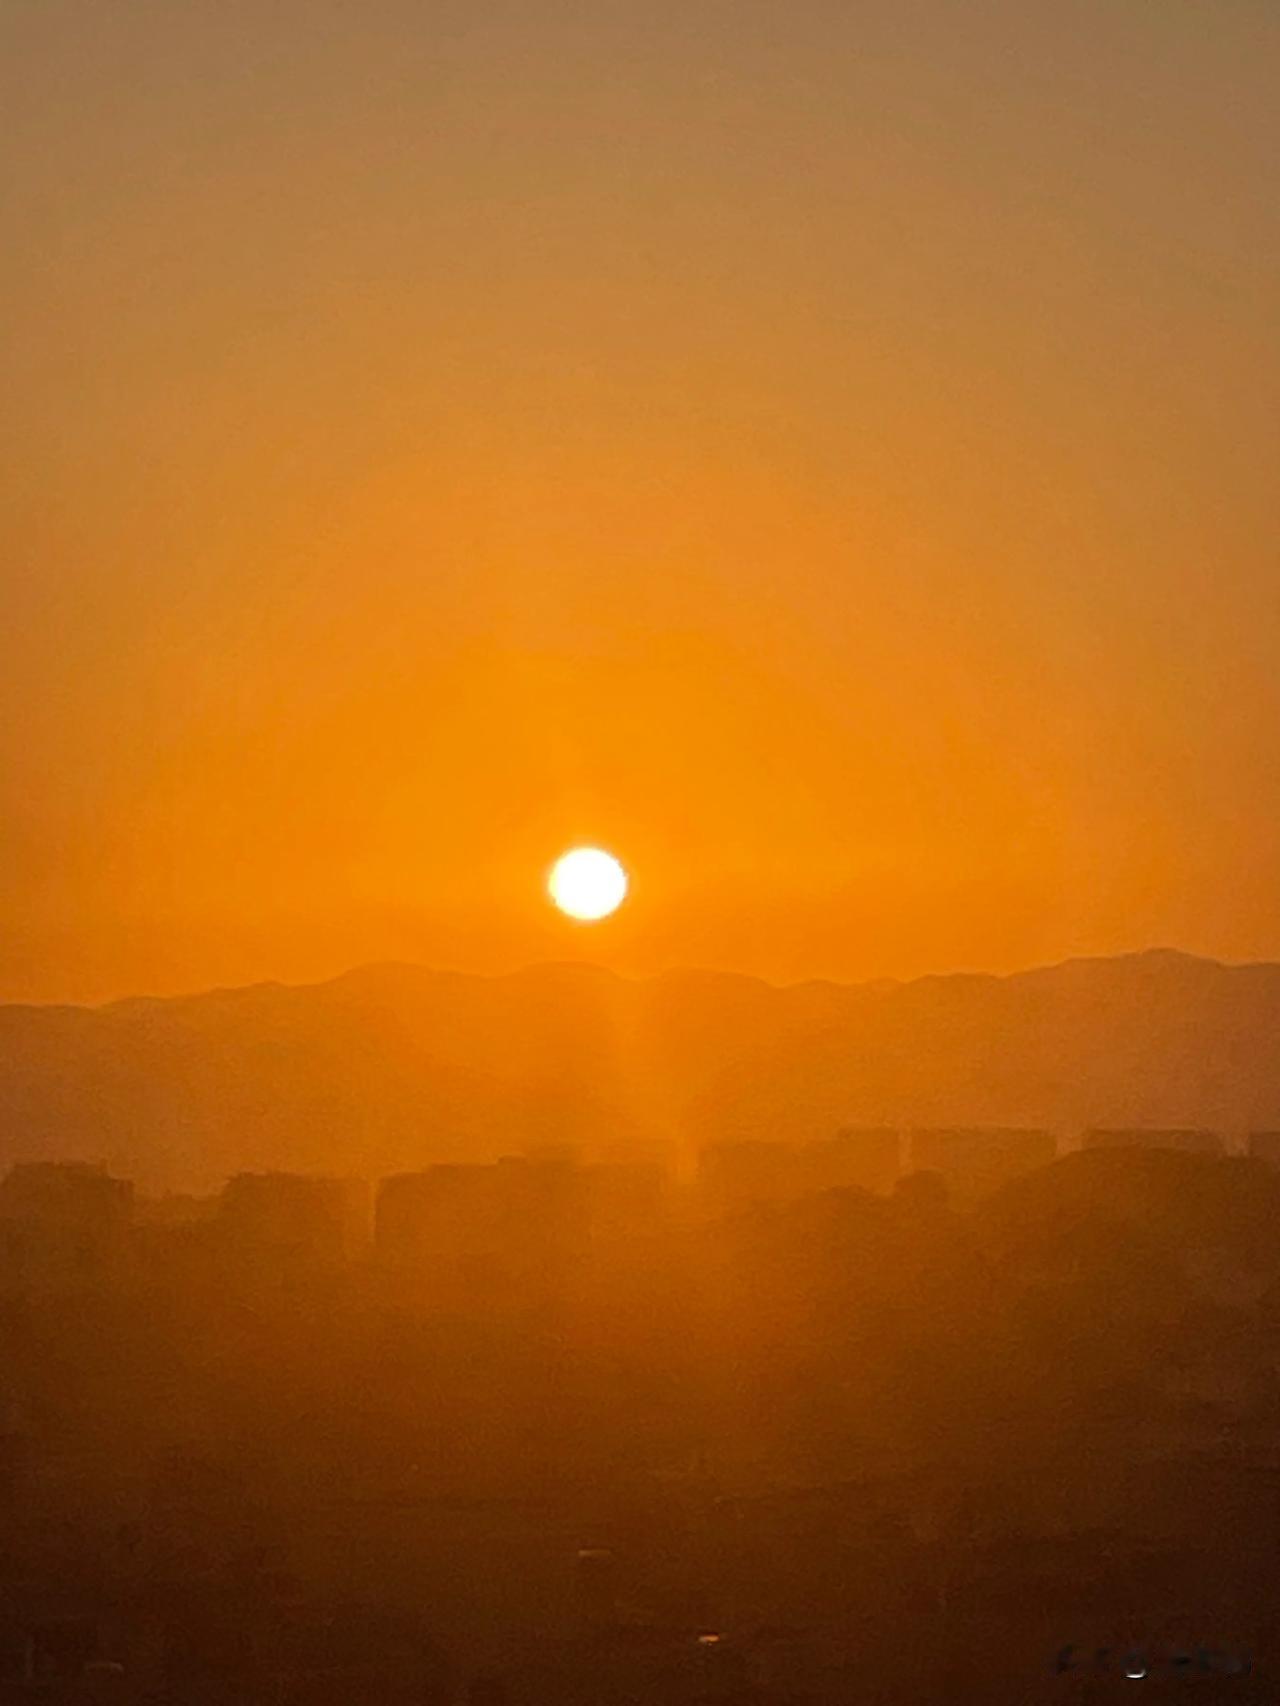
(593, 1438)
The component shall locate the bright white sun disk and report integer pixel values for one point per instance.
(587, 883)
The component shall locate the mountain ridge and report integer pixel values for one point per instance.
(394, 1065)
(416, 968)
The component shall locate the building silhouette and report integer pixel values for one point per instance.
(867, 1158)
(1190, 1140)
(734, 1176)
(476, 1230)
(975, 1160)
(290, 1220)
(62, 1225)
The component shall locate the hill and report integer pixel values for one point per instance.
(389, 1067)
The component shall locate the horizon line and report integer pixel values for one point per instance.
(885, 983)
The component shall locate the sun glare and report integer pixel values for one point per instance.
(587, 884)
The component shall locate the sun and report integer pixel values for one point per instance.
(587, 883)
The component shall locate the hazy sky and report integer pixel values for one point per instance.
(826, 452)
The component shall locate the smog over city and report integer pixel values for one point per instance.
(639, 853)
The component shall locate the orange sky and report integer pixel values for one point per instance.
(826, 453)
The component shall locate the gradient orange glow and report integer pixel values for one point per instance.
(832, 446)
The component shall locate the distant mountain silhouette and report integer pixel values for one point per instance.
(393, 1066)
